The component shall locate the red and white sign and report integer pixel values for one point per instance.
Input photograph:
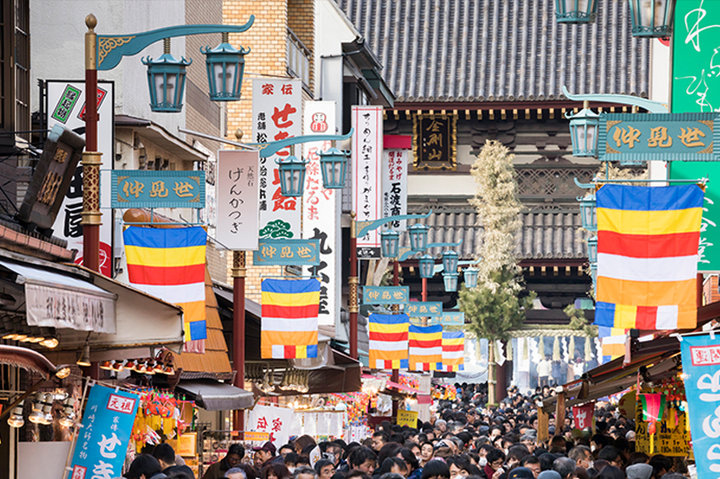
(367, 177)
(321, 207)
(276, 115)
(121, 404)
(237, 199)
(394, 181)
(583, 416)
(279, 422)
(705, 355)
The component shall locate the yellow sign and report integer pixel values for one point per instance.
(187, 444)
(256, 436)
(671, 435)
(407, 418)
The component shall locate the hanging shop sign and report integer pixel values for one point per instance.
(321, 211)
(670, 437)
(583, 416)
(157, 189)
(428, 309)
(394, 184)
(407, 418)
(65, 106)
(276, 115)
(53, 307)
(631, 138)
(237, 199)
(367, 148)
(701, 367)
(284, 252)
(450, 318)
(386, 294)
(278, 422)
(435, 141)
(106, 427)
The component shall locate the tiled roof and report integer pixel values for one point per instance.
(545, 234)
(499, 50)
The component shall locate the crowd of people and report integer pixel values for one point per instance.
(463, 440)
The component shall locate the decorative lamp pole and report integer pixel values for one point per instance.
(584, 132)
(292, 176)
(418, 237)
(450, 261)
(166, 80)
(427, 270)
(652, 18)
(333, 166)
(225, 70)
(390, 243)
(239, 272)
(575, 11)
(470, 276)
(450, 280)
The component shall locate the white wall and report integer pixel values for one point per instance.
(58, 29)
(659, 91)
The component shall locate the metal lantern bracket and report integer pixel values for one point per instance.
(112, 48)
(645, 104)
(269, 149)
(365, 227)
(406, 252)
(598, 183)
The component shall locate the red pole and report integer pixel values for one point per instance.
(396, 307)
(91, 217)
(424, 289)
(353, 293)
(238, 273)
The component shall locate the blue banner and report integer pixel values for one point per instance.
(287, 252)
(386, 294)
(105, 433)
(157, 189)
(422, 309)
(450, 318)
(701, 368)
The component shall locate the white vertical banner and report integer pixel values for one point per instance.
(276, 115)
(367, 177)
(66, 107)
(237, 199)
(321, 210)
(394, 183)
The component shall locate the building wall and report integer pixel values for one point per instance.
(300, 20)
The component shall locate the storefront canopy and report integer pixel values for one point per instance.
(216, 396)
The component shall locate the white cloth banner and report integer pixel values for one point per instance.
(279, 422)
(237, 199)
(523, 355)
(51, 307)
(276, 115)
(499, 353)
(394, 183)
(367, 176)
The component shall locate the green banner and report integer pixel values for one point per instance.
(696, 88)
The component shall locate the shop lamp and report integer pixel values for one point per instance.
(418, 237)
(62, 372)
(16, 418)
(584, 132)
(450, 261)
(166, 80)
(47, 410)
(575, 11)
(158, 368)
(9, 336)
(36, 339)
(150, 368)
(592, 249)
(36, 416)
(451, 282)
(84, 359)
(106, 365)
(68, 419)
(333, 164)
(389, 243)
(20, 337)
(225, 69)
(651, 18)
(117, 366)
(470, 276)
(292, 176)
(130, 365)
(168, 370)
(588, 212)
(427, 266)
(49, 343)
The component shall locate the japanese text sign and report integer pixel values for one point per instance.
(434, 141)
(450, 318)
(395, 190)
(276, 115)
(701, 366)
(55, 307)
(298, 252)
(419, 309)
(583, 416)
(277, 421)
(633, 138)
(386, 294)
(321, 211)
(237, 198)
(407, 418)
(366, 175)
(670, 437)
(158, 189)
(65, 106)
(103, 439)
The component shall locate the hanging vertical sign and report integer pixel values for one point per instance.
(237, 199)
(701, 367)
(394, 181)
(321, 207)
(65, 106)
(105, 434)
(366, 155)
(276, 115)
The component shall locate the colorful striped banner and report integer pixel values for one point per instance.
(388, 334)
(453, 351)
(169, 263)
(612, 341)
(289, 325)
(425, 347)
(647, 256)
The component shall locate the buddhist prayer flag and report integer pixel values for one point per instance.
(289, 318)
(453, 351)
(612, 341)
(647, 256)
(425, 347)
(169, 263)
(388, 341)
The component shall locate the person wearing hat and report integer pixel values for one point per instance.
(639, 471)
(521, 473)
(264, 454)
(144, 466)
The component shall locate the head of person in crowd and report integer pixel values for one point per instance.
(515, 454)
(263, 454)
(286, 449)
(334, 452)
(564, 466)
(303, 442)
(531, 462)
(363, 459)
(495, 460)
(275, 470)
(290, 460)
(549, 474)
(639, 470)
(304, 472)
(357, 474)
(611, 455)
(390, 475)
(661, 465)
(436, 470)
(521, 473)
(324, 469)
(410, 460)
(235, 473)
(144, 466)
(582, 456)
(303, 460)
(379, 439)
(426, 452)
(392, 465)
(611, 472)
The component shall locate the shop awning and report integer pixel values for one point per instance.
(216, 396)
